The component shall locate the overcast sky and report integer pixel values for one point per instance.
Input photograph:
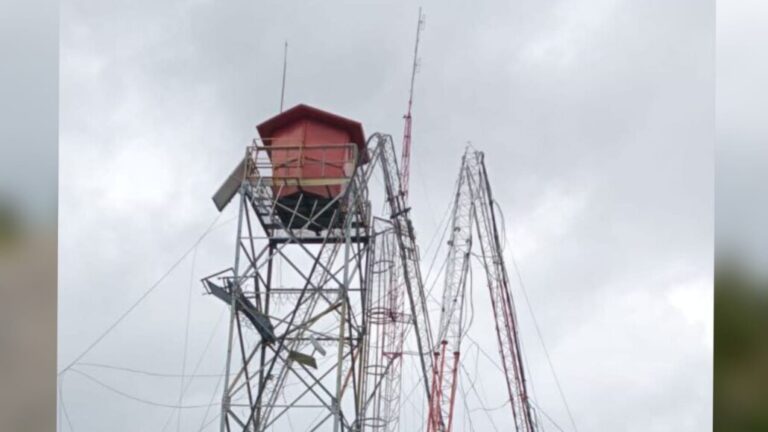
(597, 120)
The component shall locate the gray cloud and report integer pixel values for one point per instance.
(596, 121)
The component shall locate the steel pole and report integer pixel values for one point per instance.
(232, 313)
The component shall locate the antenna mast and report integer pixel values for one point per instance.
(406, 155)
(474, 224)
(285, 68)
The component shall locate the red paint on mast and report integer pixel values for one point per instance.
(406, 155)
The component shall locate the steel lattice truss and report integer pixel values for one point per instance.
(320, 347)
(473, 213)
(302, 349)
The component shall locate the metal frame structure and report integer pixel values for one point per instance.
(307, 329)
(303, 345)
(386, 325)
(405, 288)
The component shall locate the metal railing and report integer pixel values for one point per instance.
(302, 164)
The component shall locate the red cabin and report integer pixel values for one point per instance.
(311, 144)
(312, 154)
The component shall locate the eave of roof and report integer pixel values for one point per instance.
(299, 112)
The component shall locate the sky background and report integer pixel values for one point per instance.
(597, 120)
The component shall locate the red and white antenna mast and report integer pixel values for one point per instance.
(406, 155)
(474, 223)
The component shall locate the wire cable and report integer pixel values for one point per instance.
(63, 405)
(479, 399)
(466, 405)
(186, 338)
(203, 424)
(143, 296)
(216, 417)
(146, 372)
(543, 345)
(129, 396)
(547, 416)
(200, 361)
(536, 323)
(480, 350)
(59, 413)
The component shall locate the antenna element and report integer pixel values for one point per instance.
(285, 68)
(406, 155)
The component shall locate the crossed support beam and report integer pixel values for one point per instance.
(298, 345)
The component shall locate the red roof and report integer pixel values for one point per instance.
(300, 112)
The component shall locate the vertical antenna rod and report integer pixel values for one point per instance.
(406, 155)
(285, 68)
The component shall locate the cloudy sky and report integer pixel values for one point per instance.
(597, 120)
